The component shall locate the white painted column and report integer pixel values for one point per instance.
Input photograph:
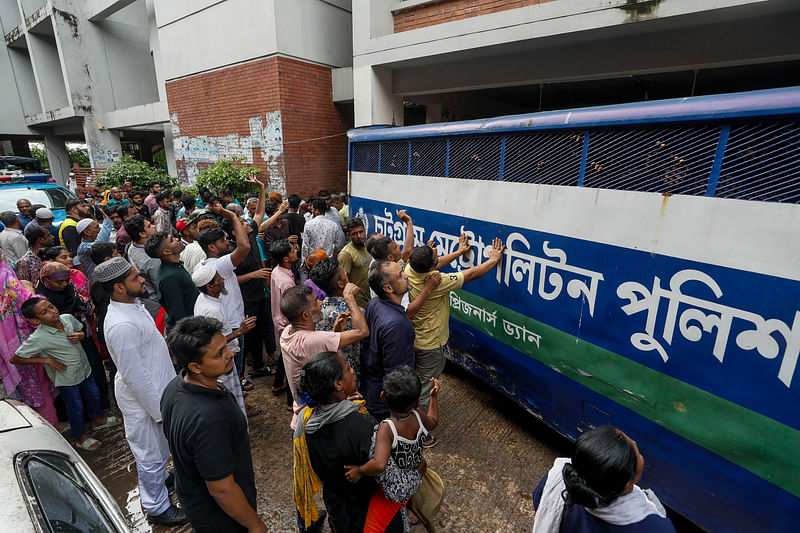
(104, 146)
(374, 103)
(169, 150)
(433, 113)
(58, 158)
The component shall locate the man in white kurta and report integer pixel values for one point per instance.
(144, 369)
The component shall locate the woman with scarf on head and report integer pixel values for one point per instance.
(595, 491)
(55, 285)
(27, 382)
(60, 254)
(332, 431)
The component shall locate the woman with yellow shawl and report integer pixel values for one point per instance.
(332, 431)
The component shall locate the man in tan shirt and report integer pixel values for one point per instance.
(355, 259)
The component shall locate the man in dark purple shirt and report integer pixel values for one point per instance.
(391, 335)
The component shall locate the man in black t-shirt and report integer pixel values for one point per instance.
(207, 433)
(296, 221)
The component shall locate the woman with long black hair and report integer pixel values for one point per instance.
(595, 490)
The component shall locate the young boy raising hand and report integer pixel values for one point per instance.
(57, 341)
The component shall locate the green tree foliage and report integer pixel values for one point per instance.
(228, 173)
(40, 154)
(76, 155)
(139, 173)
(80, 156)
(160, 159)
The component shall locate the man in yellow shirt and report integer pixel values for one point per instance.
(431, 322)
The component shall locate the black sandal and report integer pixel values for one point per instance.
(261, 372)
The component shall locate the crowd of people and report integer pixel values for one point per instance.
(180, 300)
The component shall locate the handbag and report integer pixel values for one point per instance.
(425, 503)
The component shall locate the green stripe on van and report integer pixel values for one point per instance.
(751, 440)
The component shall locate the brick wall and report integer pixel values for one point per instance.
(308, 112)
(222, 102)
(450, 10)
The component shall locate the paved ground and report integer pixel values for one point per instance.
(490, 456)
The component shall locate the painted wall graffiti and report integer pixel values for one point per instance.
(101, 156)
(266, 134)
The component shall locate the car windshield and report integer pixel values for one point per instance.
(64, 501)
(53, 198)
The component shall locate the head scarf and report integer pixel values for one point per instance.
(314, 256)
(66, 300)
(319, 293)
(53, 270)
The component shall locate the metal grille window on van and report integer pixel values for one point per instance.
(762, 162)
(394, 157)
(755, 161)
(475, 157)
(549, 158)
(365, 157)
(428, 157)
(673, 160)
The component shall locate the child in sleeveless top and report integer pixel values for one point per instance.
(399, 436)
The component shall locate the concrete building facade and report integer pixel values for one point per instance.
(276, 83)
(252, 79)
(82, 71)
(440, 60)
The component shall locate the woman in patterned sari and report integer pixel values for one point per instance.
(26, 382)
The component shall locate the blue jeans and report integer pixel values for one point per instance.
(75, 397)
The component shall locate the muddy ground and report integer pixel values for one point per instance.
(491, 454)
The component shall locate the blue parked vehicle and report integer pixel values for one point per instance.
(650, 278)
(37, 189)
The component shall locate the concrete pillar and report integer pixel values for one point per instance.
(433, 113)
(169, 150)
(104, 146)
(58, 157)
(374, 103)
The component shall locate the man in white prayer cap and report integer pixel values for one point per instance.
(208, 304)
(144, 369)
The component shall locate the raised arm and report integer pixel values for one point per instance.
(275, 218)
(463, 248)
(105, 228)
(431, 419)
(408, 244)
(262, 199)
(359, 322)
(495, 256)
(431, 282)
(242, 242)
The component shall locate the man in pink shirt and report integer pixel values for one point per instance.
(150, 200)
(300, 341)
(284, 255)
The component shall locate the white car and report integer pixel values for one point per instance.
(45, 486)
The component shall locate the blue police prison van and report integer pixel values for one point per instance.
(651, 278)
